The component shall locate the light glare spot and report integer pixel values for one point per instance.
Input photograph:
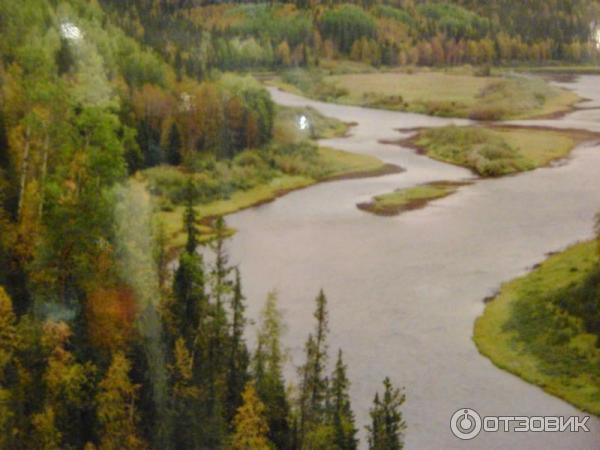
(69, 30)
(303, 123)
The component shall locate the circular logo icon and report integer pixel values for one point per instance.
(465, 424)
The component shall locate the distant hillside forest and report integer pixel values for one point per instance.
(195, 36)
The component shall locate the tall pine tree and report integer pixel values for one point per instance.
(267, 370)
(251, 428)
(387, 425)
(341, 415)
(313, 392)
(237, 376)
(189, 217)
(174, 146)
(116, 410)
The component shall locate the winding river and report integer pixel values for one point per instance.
(404, 291)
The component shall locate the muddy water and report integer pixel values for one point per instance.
(404, 291)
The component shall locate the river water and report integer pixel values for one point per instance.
(404, 291)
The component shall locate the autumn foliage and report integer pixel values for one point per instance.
(111, 313)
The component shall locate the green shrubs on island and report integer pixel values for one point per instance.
(545, 327)
(402, 200)
(492, 152)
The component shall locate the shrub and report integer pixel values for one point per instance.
(477, 148)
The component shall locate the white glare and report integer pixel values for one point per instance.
(68, 30)
(598, 38)
(303, 123)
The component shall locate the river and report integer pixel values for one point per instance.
(405, 291)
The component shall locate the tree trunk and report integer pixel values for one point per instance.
(43, 176)
(24, 169)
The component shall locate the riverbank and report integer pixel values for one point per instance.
(458, 92)
(408, 199)
(497, 150)
(527, 329)
(335, 165)
(292, 161)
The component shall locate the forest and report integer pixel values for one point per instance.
(102, 344)
(197, 36)
(111, 338)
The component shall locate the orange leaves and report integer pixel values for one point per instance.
(110, 313)
(153, 103)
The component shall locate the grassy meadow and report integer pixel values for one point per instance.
(543, 327)
(497, 151)
(401, 200)
(460, 92)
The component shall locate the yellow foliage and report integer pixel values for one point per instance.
(45, 434)
(250, 424)
(116, 408)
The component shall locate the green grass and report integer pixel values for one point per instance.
(402, 200)
(423, 87)
(452, 93)
(526, 331)
(497, 151)
(339, 163)
(332, 163)
(172, 219)
(561, 69)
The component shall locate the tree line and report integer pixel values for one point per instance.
(200, 36)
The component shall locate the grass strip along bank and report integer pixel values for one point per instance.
(293, 161)
(544, 327)
(455, 93)
(168, 183)
(402, 200)
(497, 151)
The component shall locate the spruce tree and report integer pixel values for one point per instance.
(185, 397)
(341, 415)
(314, 382)
(238, 356)
(267, 370)
(221, 284)
(148, 139)
(174, 146)
(213, 374)
(188, 307)
(116, 410)
(189, 218)
(387, 425)
(251, 427)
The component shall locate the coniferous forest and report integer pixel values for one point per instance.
(111, 338)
